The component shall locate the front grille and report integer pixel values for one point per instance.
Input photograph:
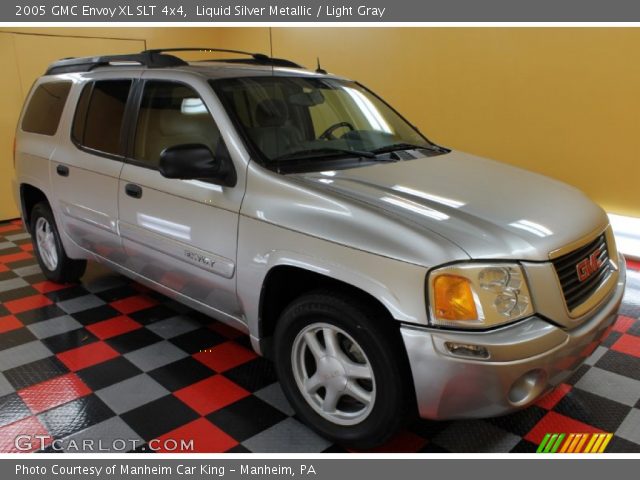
(576, 292)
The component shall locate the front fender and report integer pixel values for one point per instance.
(399, 286)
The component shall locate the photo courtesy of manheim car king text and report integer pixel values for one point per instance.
(313, 239)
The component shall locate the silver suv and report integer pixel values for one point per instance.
(382, 273)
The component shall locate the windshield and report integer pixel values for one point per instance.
(298, 118)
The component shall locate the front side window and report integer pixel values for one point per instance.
(99, 116)
(172, 114)
(310, 119)
(45, 108)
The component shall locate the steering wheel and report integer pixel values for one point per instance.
(328, 133)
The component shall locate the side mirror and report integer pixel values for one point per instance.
(194, 161)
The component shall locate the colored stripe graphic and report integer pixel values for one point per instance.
(574, 443)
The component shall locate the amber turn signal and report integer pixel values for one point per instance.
(454, 298)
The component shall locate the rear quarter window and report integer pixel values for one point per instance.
(45, 108)
(100, 115)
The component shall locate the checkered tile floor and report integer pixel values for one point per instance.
(108, 359)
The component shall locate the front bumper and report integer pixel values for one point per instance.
(526, 360)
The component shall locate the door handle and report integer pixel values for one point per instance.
(133, 190)
(62, 170)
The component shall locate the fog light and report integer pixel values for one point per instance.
(467, 350)
(528, 387)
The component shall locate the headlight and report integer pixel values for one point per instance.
(476, 295)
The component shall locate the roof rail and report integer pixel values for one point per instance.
(159, 58)
(147, 58)
(256, 58)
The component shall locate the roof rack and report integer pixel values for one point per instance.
(159, 58)
(148, 58)
(256, 58)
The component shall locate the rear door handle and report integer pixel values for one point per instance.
(62, 170)
(133, 190)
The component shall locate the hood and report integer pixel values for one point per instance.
(488, 209)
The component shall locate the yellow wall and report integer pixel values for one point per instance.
(561, 101)
(564, 102)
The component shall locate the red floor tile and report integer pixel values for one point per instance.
(113, 327)
(633, 264)
(47, 286)
(86, 356)
(28, 428)
(225, 356)
(206, 437)
(133, 304)
(27, 247)
(211, 394)
(27, 303)
(3, 268)
(9, 323)
(554, 422)
(623, 323)
(9, 228)
(551, 399)
(47, 395)
(15, 257)
(629, 344)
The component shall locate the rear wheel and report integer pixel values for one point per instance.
(53, 260)
(340, 367)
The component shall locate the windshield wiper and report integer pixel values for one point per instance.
(407, 146)
(302, 154)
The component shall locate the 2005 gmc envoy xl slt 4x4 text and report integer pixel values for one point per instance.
(382, 273)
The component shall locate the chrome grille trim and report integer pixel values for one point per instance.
(576, 292)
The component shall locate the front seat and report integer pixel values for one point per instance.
(275, 136)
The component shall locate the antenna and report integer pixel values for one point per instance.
(319, 69)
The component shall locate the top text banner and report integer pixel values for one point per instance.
(208, 11)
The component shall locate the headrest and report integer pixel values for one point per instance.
(272, 113)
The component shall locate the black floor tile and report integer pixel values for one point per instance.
(68, 293)
(153, 314)
(96, 314)
(117, 293)
(577, 375)
(180, 374)
(12, 409)
(591, 409)
(108, 373)
(69, 340)
(524, 446)
(17, 293)
(74, 416)
(619, 363)
(14, 338)
(197, 340)
(35, 372)
(134, 340)
(246, 418)
(8, 274)
(620, 445)
(159, 417)
(520, 422)
(40, 314)
(253, 375)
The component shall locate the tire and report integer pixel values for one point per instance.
(52, 258)
(368, 341)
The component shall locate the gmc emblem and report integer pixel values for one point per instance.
(589, 266)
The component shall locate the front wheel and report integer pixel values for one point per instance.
(340, 366)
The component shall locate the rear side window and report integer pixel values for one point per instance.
(99, 115)
(45, 108)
